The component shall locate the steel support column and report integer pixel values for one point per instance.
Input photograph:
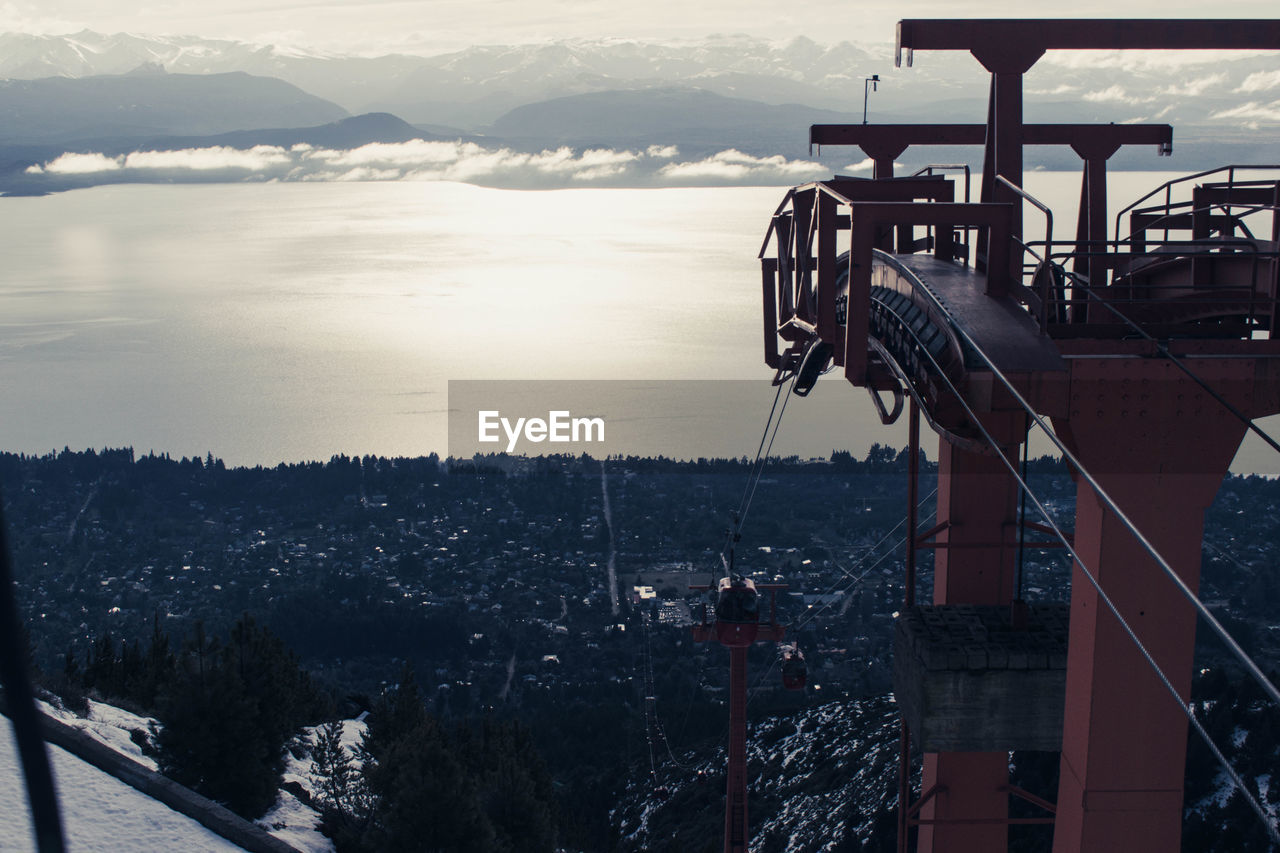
(909, 600)
(736, 833)
(1160, 447)
(978, 500)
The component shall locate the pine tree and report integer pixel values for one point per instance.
(427, 801)
(210, 742)
(159, 667)
(341, 793)
(396, 713)
(228, 713)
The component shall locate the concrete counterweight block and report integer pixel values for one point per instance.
(967, 681)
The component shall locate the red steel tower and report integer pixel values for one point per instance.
(1148, 353)
(737, 627)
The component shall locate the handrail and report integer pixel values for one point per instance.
(764, 247)
(1043, 319)
(1169, 248)
(1246, 210)
(841, 198)
(947, 167)
(1048, 214)
(1167, 186)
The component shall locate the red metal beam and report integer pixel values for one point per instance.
(896, 138)
(868, 217)
(980, 35)
(1032, 798)
(930, 188)
(769, 277)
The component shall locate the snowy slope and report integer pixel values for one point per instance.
(290, 820)
(293, 821)
(99, 812)
(109, 725)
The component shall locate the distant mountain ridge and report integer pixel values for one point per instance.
(153, 103)
(656, 116)
(498, 76)
(705, 97)
(346, 133)
(473, 87)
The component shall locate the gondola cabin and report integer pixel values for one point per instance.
(795, 673)
(737, 611)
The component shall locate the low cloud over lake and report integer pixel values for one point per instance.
(423, 160)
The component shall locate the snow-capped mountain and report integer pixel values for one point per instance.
(346, 79)
(150, 101)
(472, 87)
(482, 82)
(547, 94)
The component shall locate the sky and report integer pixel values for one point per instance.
(418, 26)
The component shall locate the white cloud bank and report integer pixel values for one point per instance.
(1196, 87)
(1260, 81)
(422, 160)
(78, 164)
(733, 166)
(1114, 94)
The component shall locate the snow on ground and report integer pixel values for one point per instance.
(817, 769)
(293, 821)
(109, 725)
(99, 812)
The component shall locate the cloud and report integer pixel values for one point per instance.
(414, 153)
(1195, 88)
(461, 161)
(1145, 61)
(1114, 93)
(78, 164)
(256, 159)
(1252, 110)
(367, 173)
(733, 166)
(1060, 89)
(434, 160)
(1260, 81)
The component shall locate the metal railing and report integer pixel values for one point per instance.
(1167, 186)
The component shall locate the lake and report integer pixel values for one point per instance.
(285, 322)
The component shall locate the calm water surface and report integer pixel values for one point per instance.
(283, 322)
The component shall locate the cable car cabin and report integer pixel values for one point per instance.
(795, 673)
(737, 600)
(737, 611)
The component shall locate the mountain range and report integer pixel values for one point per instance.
(89, 91)
(149, 101)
